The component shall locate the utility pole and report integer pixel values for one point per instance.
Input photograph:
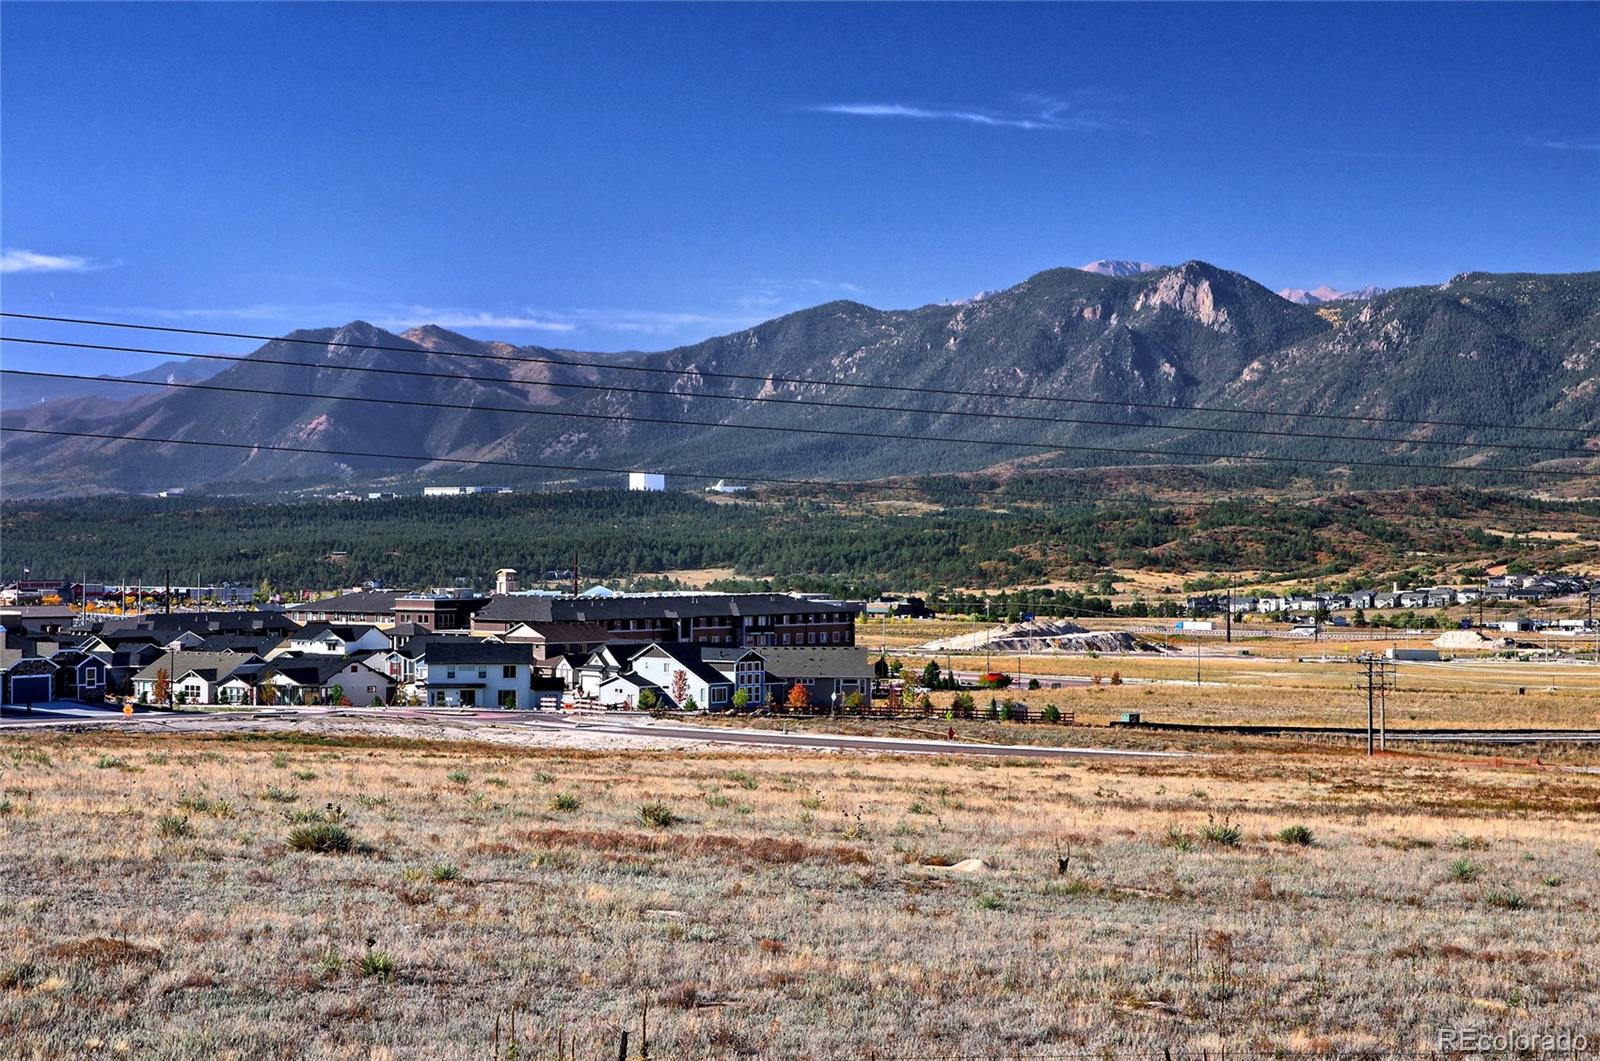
(1197, 657)
(1227, 619)
(1368, 660)
(169, 590)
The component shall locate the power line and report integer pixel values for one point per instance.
(832, 432)
(798, 380)
(251, 359)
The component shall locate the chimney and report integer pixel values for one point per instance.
(505, 580)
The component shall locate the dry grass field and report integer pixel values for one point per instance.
(163, 897)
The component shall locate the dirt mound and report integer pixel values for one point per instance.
(1468, 639)
(1039, 636)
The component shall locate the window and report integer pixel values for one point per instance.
(508, 671)
(450, 672)
(719, 695)
(91, 676)
(786, 639)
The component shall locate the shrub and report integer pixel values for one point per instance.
(458, 777)
(305, 775)
(657, 815)
(1178, 839)
(111, 762)
(321, 837)
(174, 826)
(1223, 833)
(1052, 713)
(1464, 871)
(1033, 683)
(1506, 900)
(376, 964)
(445, 873)
(1296, 834)
(1116, 677)
(274, 794)
(217, 808)
(746, 780)
(565, 801)
(919, 807)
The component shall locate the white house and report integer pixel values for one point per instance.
(681, 672)
(332, 640)
(467, 672)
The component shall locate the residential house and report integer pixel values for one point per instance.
(192, 677)
(684, 675)
(333, 640)
(468, 672)
(601, 665)
(400, 662)
(824, 672)
(624, 690)
(551, 643)
(80, 675)
(26, 679)
(322, 678)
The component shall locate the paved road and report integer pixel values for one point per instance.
(57, 712)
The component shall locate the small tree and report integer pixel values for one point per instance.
(648, 699)
(267, 694)
(163, 690)
(1116, 677)
(799, 698)
(336, 696)
(855, 702)
(680, 687)
(741, 700)
(930, 675)
(690, 705)
(1033, 683)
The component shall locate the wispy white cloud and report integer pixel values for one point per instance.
(414, 316)
(1556, 143)
(1033, 112)
(17, 260)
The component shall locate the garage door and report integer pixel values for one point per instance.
(30, 688)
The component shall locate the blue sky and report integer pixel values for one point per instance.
(609, 178)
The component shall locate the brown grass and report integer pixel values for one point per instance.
(795, 907)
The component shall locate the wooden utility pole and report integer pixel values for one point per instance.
(1368, 660)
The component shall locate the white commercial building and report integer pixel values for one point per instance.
(646, 481)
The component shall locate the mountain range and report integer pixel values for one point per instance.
(1319, 295)
(21, 391)
(1136, 350)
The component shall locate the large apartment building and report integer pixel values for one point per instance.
(738, 619)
